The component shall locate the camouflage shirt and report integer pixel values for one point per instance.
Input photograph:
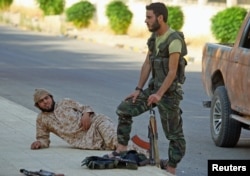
(65, 123)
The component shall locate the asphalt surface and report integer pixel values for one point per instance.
(79, 69)
(17, 132)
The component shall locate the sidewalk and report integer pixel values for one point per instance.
(17, 132)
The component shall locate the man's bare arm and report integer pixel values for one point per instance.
(145, 71)
(173, 67)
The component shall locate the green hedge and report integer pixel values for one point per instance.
(51, 7)
(119, 16)
(5, 4)
(80, 13)
(175, 17)
(226, 24)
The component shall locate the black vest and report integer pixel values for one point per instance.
(159, 61)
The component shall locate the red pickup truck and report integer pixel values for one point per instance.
(226, 80)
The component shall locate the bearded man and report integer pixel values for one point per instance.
(77, 124)
(164, 90)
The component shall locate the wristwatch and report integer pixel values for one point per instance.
(140, 89)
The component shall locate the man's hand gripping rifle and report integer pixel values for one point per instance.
(152, 145)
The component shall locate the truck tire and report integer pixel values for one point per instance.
(225, 131)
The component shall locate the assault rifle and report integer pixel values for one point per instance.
(152, 145)
(39, 173)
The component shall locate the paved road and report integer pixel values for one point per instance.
(102, 76)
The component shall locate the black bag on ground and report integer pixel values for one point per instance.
(133, 155)
(127, 160)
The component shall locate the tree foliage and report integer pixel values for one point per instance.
(81, 13)
(51, 7)
(226, 24)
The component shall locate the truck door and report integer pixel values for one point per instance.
(239, 72)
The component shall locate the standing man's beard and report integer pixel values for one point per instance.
(49, 110)
(155, 26)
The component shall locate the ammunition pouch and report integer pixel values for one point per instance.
(151, 84)
(181, 70)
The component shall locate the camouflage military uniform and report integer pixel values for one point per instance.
(168, 108)
(65, 123)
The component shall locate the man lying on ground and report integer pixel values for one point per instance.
(79, 125)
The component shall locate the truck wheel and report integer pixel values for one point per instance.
(225, 131)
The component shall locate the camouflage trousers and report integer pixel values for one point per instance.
(171, 121)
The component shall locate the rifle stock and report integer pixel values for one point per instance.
(152, 145)
(140, 142)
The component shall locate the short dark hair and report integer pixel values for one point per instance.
(159, 9)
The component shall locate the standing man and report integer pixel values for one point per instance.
(164, 90)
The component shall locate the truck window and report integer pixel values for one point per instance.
(246, 43)
(246, 37)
